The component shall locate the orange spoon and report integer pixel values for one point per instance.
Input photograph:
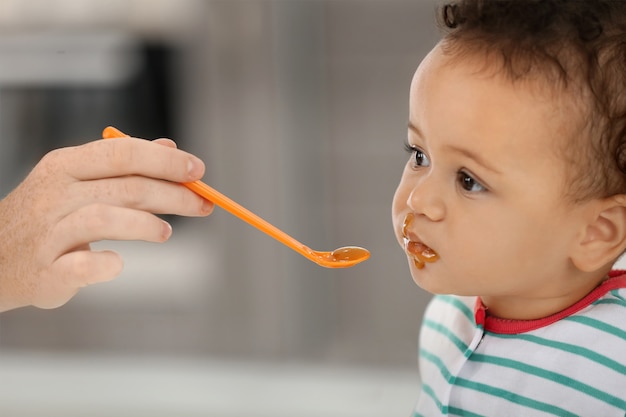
(339, 258)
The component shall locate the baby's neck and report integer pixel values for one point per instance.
(539, 306)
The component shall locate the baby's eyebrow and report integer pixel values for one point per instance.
(415, 130)
(463, 151)
(474, 156)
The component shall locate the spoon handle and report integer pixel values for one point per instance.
(232, 207)
(247, 216)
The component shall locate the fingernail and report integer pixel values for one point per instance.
(167, 231)
(195, 168)
(207, 207)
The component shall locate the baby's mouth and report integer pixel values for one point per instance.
(418, 251)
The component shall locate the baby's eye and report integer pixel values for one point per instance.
(468, 183)
(418, 157)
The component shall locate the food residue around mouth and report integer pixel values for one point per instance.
(419, 251)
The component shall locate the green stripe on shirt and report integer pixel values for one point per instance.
(599, 325)
(487, 389)
(514, 398)
(569, 348)
(459, 305)
(550, 376)
(439, 328)
(444, 409)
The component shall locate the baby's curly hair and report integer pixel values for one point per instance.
(576, 46)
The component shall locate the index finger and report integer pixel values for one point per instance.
(130, 156)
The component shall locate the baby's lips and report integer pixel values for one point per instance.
(408, 219)
(419, 264)
(422, 252)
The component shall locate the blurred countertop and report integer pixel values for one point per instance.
(69, 385)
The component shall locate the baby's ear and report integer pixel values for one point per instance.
(604, 238)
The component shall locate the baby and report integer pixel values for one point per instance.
(512, 209)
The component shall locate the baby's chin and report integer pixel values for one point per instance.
(431, 279)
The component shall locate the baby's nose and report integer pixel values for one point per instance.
(426, 198)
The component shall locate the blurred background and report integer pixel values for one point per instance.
(299, 109)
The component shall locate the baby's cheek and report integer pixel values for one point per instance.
(397, 231)
(399, 204)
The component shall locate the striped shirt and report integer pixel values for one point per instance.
(570, 364)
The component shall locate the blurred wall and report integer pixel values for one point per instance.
(299, 108)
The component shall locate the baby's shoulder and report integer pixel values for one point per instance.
(599, 328)
(452, 312)
(607, 314)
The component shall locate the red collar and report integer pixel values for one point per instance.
(617, 279)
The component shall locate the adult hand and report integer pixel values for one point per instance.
(103, 190)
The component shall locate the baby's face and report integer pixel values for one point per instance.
(484, 184)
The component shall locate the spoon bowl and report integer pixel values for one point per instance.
(343, 257)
